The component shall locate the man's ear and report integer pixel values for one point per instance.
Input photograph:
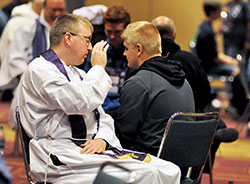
(174, 35)
(67, 39)
(139, 49)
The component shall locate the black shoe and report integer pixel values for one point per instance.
(226, 135)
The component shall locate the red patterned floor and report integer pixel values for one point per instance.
(234, 169)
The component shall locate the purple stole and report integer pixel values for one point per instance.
(77, 123)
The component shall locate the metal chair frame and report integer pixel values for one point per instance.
(25, 139)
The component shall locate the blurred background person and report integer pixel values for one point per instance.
(236, 27)
(29, 41)
(215, 62)
(115, 20)
(20, 15)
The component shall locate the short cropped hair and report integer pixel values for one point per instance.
(211, 6)
(67, 23)
(116, 14)
(144, 33)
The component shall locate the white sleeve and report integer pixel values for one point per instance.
(56, 92)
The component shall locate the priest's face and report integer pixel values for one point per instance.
(81, 45)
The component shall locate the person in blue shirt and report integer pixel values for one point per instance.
(115, 20)
(219, 63)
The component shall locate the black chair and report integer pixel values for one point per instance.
(187, 141)
(104, 178)
(25, 139)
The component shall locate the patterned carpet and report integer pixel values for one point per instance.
(232, 162)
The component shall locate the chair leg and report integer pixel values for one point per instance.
(210, 168)
(17, 145)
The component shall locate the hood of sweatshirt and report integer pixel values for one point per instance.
(171, 70)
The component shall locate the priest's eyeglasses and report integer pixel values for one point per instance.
(86, 38)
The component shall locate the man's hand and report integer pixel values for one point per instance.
(225, 59)
(99, 54)
(93, 146)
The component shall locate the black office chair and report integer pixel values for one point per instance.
(25, 139)
(187, 141)
(104, 178)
